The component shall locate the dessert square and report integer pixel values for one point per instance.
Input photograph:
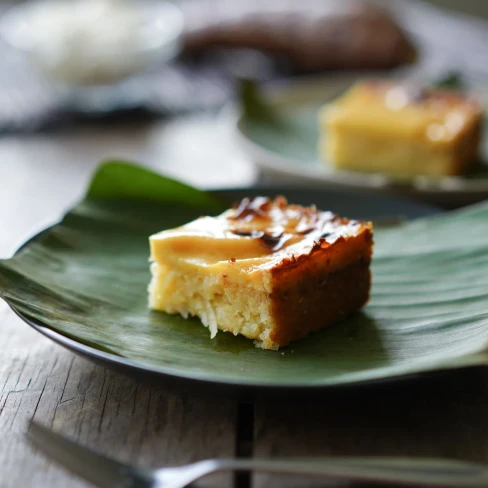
(388, 127)
(270, 271)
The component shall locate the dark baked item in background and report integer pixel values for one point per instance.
(312, 39)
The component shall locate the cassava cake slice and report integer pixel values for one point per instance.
(270, 271)
(401, 129)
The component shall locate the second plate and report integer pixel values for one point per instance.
(289, 150)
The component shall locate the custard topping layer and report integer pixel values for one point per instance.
(434, 116)
(257, 233)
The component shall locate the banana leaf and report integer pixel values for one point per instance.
(87, 278)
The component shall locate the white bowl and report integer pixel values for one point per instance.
(104, 55)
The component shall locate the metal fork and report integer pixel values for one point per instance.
(108, 473)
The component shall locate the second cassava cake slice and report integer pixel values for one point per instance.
(270, 271)
(401, 129)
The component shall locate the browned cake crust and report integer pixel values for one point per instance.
(465, 152)
(319, 301)
(308, 296)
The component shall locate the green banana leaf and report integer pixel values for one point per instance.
(87, 277)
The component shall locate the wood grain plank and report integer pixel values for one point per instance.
(114, 414)
(443, 417)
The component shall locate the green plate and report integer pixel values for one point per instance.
(284, 142)
(83, 283)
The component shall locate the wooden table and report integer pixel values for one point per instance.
(40, 176)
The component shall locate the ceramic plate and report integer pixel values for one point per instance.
(83, 283)
(289, 150)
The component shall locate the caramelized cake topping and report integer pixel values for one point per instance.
(258, 232)
(278, 224)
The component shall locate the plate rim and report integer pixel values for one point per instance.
(246, 391)
(241, 387)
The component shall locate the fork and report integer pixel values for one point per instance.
(108, 473)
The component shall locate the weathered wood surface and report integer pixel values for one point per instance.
(40, 176)
(446, 417)
(110, 412)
